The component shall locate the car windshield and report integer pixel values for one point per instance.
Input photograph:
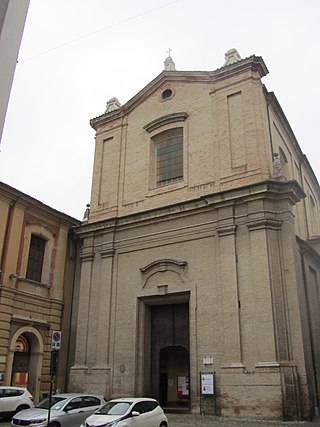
(56, 403)
(114, 408)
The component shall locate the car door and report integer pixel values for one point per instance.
(9, 399)
(153, 413)
(89, 404)
(142, 419)
(4, 401)
(71, 415)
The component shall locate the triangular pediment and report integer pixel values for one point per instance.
(166, 78)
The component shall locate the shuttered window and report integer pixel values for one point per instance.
(36, 257)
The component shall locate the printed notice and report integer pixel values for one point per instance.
(207, 384)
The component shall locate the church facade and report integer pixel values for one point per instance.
(200, 258)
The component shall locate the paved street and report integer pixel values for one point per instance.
(177, 420)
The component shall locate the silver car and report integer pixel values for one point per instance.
(67, 410)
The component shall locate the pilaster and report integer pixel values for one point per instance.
(86, 259)
(226, 232)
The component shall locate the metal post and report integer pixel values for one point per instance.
(50, 396)
(55, 347)
(53, 369)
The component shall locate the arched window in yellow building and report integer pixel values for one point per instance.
(36, 258)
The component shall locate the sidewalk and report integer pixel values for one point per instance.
(193, 420)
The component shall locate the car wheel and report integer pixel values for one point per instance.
(21, 408)
(163, 425)
(54, 425)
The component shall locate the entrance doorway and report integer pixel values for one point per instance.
(21, 362)
(174, 377)
(170, 361)
(24, 365)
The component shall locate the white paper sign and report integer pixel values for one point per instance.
(207, 384)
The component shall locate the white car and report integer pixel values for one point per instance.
(128, 412)
(67, 410)
(14, 399)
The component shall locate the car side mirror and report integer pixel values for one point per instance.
(135, 413)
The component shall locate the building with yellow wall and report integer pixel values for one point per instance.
(36, 285)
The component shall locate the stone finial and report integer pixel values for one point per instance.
(277, 170)
(112, 105)
(231, 57)
(86, 214)
(169, 65)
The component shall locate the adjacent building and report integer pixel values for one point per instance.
(13, 15)
(200, 259)
(37, 270)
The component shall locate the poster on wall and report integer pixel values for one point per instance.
(20, 379)
(183, 387)
(207, 383)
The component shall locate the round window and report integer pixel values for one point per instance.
(166, 94)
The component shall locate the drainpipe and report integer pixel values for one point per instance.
(6, 237)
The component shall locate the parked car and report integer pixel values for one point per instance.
(13, 400)
(128, 412)
(67, 410)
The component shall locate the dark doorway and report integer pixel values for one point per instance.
(174, 377)
(21, 362)
(170, 354)
(163, 389)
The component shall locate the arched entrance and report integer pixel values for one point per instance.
(174, 377)
(25, 359)
(21, 362)
(169, 351)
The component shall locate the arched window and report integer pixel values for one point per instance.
(168, 155)
(284, 163)
(36, 258)
(314, 216)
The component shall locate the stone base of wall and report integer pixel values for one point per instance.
(267, 392)
(95, 380)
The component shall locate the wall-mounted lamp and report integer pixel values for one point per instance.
(13, 276)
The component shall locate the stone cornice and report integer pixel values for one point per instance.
(30, 321)
(267, 189)
(253, 63)
(226, 230)
(107, 253)
(160, 266)
(86, 257)
(306, 248)
(163, 264)
(164, 120)
(39, 223)
(263, 223)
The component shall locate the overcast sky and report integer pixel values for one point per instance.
(77, 54)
